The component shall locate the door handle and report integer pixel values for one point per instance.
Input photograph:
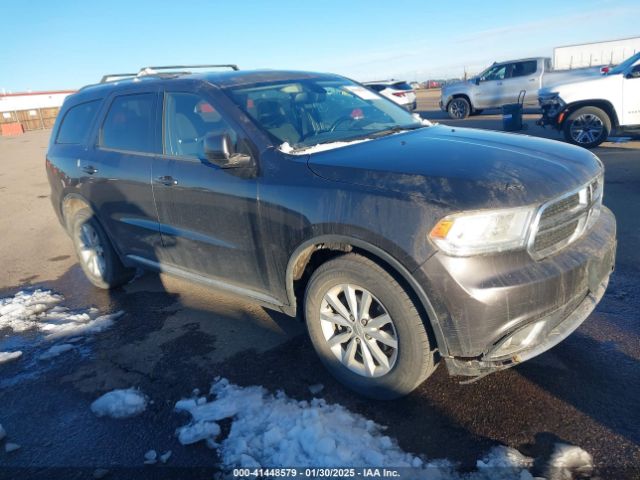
(499, 83)
(90, 169)
(167, 180)
(532, 79)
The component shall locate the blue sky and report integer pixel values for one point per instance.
(67, 44)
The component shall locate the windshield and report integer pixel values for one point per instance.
(621, 67)
(309, 112)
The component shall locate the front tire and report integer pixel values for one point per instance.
(587, 127)
(97, 257)
(365, 328)
(459, 108)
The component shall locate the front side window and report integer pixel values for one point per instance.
(188, 118)
(308, 112)
(495, 73)
(129, 124)
(76, 122)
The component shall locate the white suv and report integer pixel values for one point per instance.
(400, 92)
(588, 111)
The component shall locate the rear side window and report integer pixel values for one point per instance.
(521, 69)
(76, 122)
(129, 125)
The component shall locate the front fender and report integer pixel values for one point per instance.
(383, 257)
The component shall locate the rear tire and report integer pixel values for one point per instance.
(587, 127)
(97, 257)
(351, 341)
(459, 108)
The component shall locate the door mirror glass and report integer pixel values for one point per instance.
(219, 150)
(477, 80)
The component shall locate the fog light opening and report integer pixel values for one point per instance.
(518, 341)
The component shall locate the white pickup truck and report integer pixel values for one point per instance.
(501, 84)
(587, 111)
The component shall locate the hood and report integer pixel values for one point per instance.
(461, 168)
(570, 87)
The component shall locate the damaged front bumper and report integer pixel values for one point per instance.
(553, 111)
(485, 302)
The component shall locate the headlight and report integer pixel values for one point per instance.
(471, 233)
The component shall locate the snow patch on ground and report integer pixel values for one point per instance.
(41, 310)
(276, 431)
(56, 350)
(123, 403)
(568, 462)
(8, 356)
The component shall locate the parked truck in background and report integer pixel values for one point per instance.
(501, 84)
(610, 52)
(588, 110)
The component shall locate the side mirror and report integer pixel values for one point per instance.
(218, 149)
(635, 72)
(477, 80)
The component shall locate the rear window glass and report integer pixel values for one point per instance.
(76, 122)
(402, 86)
(129, 125)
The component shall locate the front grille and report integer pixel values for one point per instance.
(563, 220)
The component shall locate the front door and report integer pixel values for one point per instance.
(207, 214)
(631, 96)
(489, 91)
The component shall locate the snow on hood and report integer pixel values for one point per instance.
(270, 430)
(321, 147)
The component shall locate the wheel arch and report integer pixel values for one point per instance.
(602, 104)
(314, 252)
(460, 95)
(72, 203)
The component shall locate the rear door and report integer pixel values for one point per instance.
(208, 215)
(117, 174)
(521, 76)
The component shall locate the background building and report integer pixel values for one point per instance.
(610, 52)
(20, 112)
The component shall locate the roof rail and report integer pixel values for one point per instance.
(147, 71)
(116, 76)
(153, 70)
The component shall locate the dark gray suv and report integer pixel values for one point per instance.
(402, 243)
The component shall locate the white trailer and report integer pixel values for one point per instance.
(595, 54)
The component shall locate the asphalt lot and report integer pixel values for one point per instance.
(175, 337)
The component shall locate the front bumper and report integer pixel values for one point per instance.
(480, 301)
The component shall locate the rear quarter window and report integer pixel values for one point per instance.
(76, 123)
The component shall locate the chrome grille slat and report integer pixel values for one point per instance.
(562, 220)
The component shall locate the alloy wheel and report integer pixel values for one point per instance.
(359, 330)
(458, 108)
(91, 250)
(586, 129)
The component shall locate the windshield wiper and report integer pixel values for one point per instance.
(394, 129)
